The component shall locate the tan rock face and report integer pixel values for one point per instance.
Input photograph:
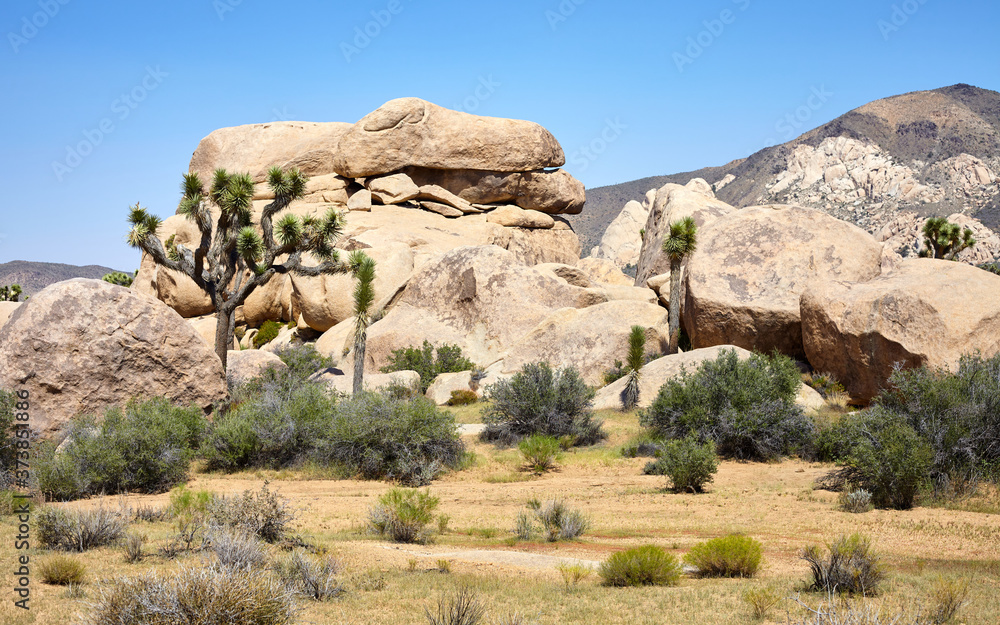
(927, 312)
(622, 241)
(553, 192)
(81, 346)
(413, 132)
(744, 280)
(337, 342)
(440, 390)
(674, 202)
(244, 365)
(589, 339)
(255, 148)
(514, 217)
(6, 310)
(392, 189)
(604, 271)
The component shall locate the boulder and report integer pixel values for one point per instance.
(337, 342)
(926, 313)
(441, 388)
(255, 148)
(552, 192)
(589, 339)
(343, 382)
(657, 373)
(444, 210)
(82, 346)
(514, 217)
(245, 365)
(622, 241)
(273, 302)
(479, 298)
(572, 275)
(809, 399)
(205, 327)
(173, 288)
(437, 194)
(675, 202)
(360, 201)
(285, 338)
(744, 279)
(604, 271)
(413, 132)
(6, 310)
(392, 189)
(534, 246)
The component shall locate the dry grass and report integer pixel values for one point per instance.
(773, 503)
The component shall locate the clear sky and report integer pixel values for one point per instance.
(104, 102)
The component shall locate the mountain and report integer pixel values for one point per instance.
(933, 153)
(33, 277)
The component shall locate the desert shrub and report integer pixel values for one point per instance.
(852, 566)
(573, 574)
(236, 548)
(132, 545)
(187, 502)
(642, 446)
(648, 565)
(8, 439)
(207, 596)
(557, 521)
(540, 452)
(540, 400)
(948, 597)
(463, 608)
(78, 530)
(62, 571)
(267, 333)
(147, 447)
(264, 514)
(403, 514)
(302, 360)
(408, 440)
(690, 465)
(855, 501)
(760, 600)
(462, 398)
(428, 362)
(315, 578)
(825, 384)
(746, 406)
(615, 373)
(735, 555)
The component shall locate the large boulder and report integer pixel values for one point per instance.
(674, 202)
(657, 373)
(445, 384)
(413, 132)
(81, 346)
(744, 280)
(174, 288)
(589, 339)
(622, 241)
(255, 148)
(6, 310)
(550, 192)
(479, 298)
(246, 364)
(926, 313)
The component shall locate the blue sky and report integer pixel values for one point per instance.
(103, 103)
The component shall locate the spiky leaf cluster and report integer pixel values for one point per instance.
(682, 240)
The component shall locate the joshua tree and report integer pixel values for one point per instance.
(10, 293)
(943, 239)
(636, 352)
(363, 268)
(119, 278)
(233, 258)
(681, 243)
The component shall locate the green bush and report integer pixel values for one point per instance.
(62, 571)
(688, 464)
(78, 530)
(539, 400)
(403, 514)
(648, 565)
(189, 502)
(891, 463)
(267, 333)
(147, 448)
(852, 566)
(735, 555)
(462, 398)
(207, 596)
(302, 360)
(746, 406)
(448, 359)
(540, 452)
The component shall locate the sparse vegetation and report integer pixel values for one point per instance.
(760, 600)
(79, 530)
(118, 278)
(10, 293)
(62, 570)
(540, 452)
(540, 400)
(403, 515)
(557, 521)
(855, 501)
(463, 608)
(852, 566)
(315, 578)
(236, 548)
(735, 555)
(573, 574)
(680, 242)
(636, 348)
(264, 514)
(690, 465)
(648, 565)
(429, 362)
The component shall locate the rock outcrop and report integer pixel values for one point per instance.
(744, 280)
(548, 191)
(622, 241)
(82, 346)
(925, 313)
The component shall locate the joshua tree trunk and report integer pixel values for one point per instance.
(675, 305)
(360, 341)
(224, 335)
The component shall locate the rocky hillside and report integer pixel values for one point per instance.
(928, 153)
(34, 277)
